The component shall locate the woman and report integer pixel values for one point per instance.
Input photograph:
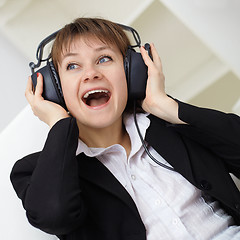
(93, 178)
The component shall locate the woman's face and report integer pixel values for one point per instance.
(93, 82)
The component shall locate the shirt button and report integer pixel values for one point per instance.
(175, 221)
(133, 177)
(158, 202)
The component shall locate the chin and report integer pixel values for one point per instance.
(100, 121)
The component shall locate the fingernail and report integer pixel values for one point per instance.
(38, 74)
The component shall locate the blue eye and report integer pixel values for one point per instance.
(104, 59)
(72, 66)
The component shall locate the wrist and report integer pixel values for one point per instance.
(166, 108)
(56, 119)
(155, 105)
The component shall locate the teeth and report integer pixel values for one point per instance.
(86, 95)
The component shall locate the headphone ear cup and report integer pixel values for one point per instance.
(136, 75)
(52, 90)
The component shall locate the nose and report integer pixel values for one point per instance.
(91, 73)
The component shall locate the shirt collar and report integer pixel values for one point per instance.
(128, 120)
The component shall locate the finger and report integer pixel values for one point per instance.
(155, 55)
(39, 86)
(145, 56)
(29, 89)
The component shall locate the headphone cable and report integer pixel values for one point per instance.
(144, 144)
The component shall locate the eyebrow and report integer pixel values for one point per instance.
(69, 54)
(102, 48)
(99, 49)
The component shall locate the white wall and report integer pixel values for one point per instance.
(14, 72)
(216, 23)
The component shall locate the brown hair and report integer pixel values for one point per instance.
(105, 30)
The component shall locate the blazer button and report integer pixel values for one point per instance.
(237, 206)
(205, 185)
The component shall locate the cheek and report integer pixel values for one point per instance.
(69, 91)
(122, 87)
(65, 90)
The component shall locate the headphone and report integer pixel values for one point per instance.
(134, 66)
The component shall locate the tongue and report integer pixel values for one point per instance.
(97, 102)
(97, 99)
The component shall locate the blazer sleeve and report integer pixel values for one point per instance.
(215, 130)
(47, 182)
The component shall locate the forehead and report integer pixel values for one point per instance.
(92, 42)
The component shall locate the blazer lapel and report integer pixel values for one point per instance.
(169, 144)
(94, 171)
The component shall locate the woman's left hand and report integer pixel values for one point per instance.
(157, 102)
(155, 89)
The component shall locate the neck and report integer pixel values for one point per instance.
(105, 137)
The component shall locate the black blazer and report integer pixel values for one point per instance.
(79, 198)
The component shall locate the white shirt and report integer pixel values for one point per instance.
(169, 205)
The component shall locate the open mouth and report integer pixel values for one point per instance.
(95, 98)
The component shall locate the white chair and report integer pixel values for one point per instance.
(25, 134)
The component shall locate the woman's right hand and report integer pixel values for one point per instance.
(46, 111)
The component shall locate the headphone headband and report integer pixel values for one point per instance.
(48, 39)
